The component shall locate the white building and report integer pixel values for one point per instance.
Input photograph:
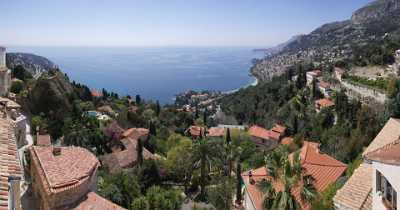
(312, 75)
(397, 53)
(375, 184)
(5, 74)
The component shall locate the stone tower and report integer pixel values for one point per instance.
(5, 74)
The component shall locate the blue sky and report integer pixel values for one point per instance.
(165, 22)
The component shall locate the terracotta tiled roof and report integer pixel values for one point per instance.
(92, 201)
(96, 93)
(195, 130)
(263, 133)
(287, 141)
(60, 172)
(43, 140)
(389, 133)
(126, 158)
(324, 169)
(9, 160)
(354, 194)
(216, 132)
(135, 133)
(389, 154)
(324, 102)
(279, 128)
(259, 132)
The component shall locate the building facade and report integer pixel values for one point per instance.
(5, 74)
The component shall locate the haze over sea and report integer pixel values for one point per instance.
(157, 73)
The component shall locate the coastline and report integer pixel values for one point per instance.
(254, 83)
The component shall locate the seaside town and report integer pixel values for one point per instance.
(318, 130)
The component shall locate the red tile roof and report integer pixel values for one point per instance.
(259, 132)
(287, 141)
(389, 154)
(389, 134)
(263, 133)
(324, 103)
(93, 201)
(279, 128)
(96, 93)
(323, 168)
(9, 160)
(43, 140)
(195, 130)
(63, 171)
(216, 132)
(119, 160)
(136, 133)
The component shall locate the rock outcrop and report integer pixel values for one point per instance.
(33, 63)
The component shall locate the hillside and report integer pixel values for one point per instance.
(334, 41)
(33, 63)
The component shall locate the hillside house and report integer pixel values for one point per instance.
(267, 139)
(325, 88)
(59, 181)
(195, 132)
(339, 72)
(323, 104)
(126, 158)
(375, 183)
(323, 168)
(313, 75)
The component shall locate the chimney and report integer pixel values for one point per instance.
(56, 151)
(251, 180)
(14, 199)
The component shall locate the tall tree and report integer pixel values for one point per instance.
(138, 99)
(228, 136)
(139, 150)
(239, 183)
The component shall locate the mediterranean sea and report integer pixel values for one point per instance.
(157, 73)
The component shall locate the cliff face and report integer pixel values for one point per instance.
(333, 41)
(33, 63)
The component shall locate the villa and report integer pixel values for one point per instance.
(195, 131)
(323, 168)
(339, 73)
(375, 183)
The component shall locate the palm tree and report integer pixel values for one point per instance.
(205, 153)
(292, 176)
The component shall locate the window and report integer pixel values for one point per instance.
(389, 195)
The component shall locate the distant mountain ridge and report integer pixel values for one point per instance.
(33, 63)
(333, 41)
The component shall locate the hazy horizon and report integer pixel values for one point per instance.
(158, 23)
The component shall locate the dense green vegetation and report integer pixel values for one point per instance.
(378, 83)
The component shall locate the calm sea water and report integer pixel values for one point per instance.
(154, 73)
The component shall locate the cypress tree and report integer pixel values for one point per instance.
(158, 108)
(228, 136)
(239, 183)
(139, 150)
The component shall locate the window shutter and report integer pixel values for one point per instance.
(378, 182)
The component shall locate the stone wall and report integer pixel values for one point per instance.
(363, 93)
